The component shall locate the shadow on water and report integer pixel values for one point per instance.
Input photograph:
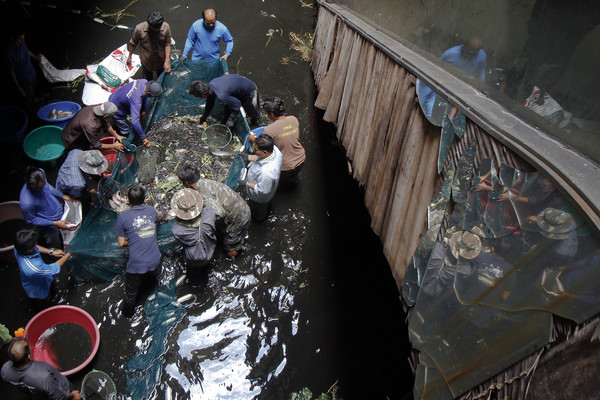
(311, 301)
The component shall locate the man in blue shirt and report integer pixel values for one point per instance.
(40, 206)
(469, 57)
(132, 99)
(75, 174)
(136, 228)
(204, 38)
(234, 91)
(263, 176)
(36, 275)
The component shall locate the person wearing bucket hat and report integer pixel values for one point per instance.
(154, 38)
(465, 244)
(76, 174)
(194, 227)
(136, 229)
(35, 378)
(133, 99)
(84, 129)
(560, 227)
(231, 211)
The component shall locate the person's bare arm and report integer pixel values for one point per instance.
(63, 259)
(122, 241)
(167, 65)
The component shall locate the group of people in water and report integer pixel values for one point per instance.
(205, 211)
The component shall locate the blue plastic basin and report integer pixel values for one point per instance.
(45, 111)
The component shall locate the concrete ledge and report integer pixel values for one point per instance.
(573, 173)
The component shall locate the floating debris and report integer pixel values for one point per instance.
(211, 150)
(303, 44)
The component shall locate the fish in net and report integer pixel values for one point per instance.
(147, 158)
(181, 140)
(112, 195)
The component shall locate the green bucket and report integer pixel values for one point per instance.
(44, 143)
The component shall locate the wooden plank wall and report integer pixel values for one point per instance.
(372, 101)
(393, 148)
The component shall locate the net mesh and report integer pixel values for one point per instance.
(98, 385)
(172, 127)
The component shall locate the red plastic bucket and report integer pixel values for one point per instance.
(111, 157)
(56, 315)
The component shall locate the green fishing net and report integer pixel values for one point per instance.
(176, 138)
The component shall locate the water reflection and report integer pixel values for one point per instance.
(542, 56)
(512, 255)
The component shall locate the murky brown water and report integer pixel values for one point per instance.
(310, 302)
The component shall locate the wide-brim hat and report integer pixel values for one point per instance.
(465, 244)
(187, 204)
(92, 162)
(555, 224)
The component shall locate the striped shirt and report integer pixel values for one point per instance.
(36, 275)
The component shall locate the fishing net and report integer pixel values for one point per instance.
(217, 136)
(176, 138)
(147, 158)
(111, 194)
(97, 385)
(163, 313)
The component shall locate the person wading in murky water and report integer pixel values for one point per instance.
(194, 228)
(232, 212)
(136, 228)
(285, 131)
(263, 176)
(36, 275)
(154, 38)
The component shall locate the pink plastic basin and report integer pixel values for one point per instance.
(56, 315)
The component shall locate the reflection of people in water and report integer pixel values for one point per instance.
(469, 57)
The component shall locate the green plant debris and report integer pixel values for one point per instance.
(306, 394)
(117, 15)
(168, 186)
(306, 4)
(73, 84)
(286, 61)
(271, 33)
(184, 118)
(303, 44)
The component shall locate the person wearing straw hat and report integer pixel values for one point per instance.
(231, 211)
(77, 171)
(194, 227)
(132, 100)
(35, 378)
(84, 129)
(560, 227)
(136, 229)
